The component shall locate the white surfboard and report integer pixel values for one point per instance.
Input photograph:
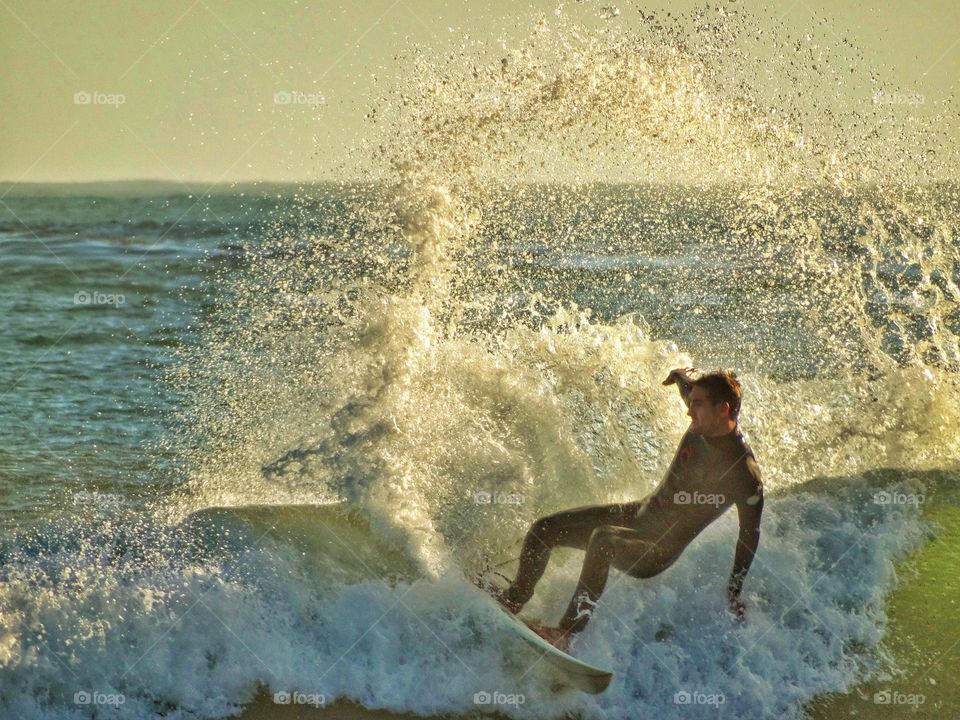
(576, 673)
(579, 674)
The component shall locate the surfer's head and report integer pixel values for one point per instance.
(715, 402)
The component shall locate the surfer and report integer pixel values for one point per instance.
(712, 469)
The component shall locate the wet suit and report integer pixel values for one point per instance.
(644, 538)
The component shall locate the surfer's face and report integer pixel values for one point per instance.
(707, 417)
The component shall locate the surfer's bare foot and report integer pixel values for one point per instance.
(500, 595)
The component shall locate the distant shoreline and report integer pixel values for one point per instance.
(154, 188)
(164, 188)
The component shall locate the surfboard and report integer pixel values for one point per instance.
(571, 671)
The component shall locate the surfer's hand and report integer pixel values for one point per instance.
(738, 608)
(679, 375)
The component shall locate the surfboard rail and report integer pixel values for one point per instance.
(576, 673)
(581, 675)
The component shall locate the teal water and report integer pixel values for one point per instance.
(99, 295)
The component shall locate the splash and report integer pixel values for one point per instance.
(551, 226)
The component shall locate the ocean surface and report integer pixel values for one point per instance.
(255, 438)
(118, 578)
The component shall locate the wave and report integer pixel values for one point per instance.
(191, 621)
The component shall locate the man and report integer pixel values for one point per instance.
(713, 469)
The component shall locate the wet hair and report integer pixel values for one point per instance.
(722, 386)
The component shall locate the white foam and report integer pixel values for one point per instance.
(199, 637)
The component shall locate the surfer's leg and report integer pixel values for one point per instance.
(571, 528)
(626, 550)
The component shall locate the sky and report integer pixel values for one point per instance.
(215, 91)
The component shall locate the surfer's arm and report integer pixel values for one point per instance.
(681, 376)
(749, 512)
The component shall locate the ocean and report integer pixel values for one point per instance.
(255, 437)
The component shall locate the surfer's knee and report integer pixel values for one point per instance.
(602, 540)
(547, 530)
(642, 570)
(641, 560)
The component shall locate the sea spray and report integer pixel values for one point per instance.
(452, 270)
